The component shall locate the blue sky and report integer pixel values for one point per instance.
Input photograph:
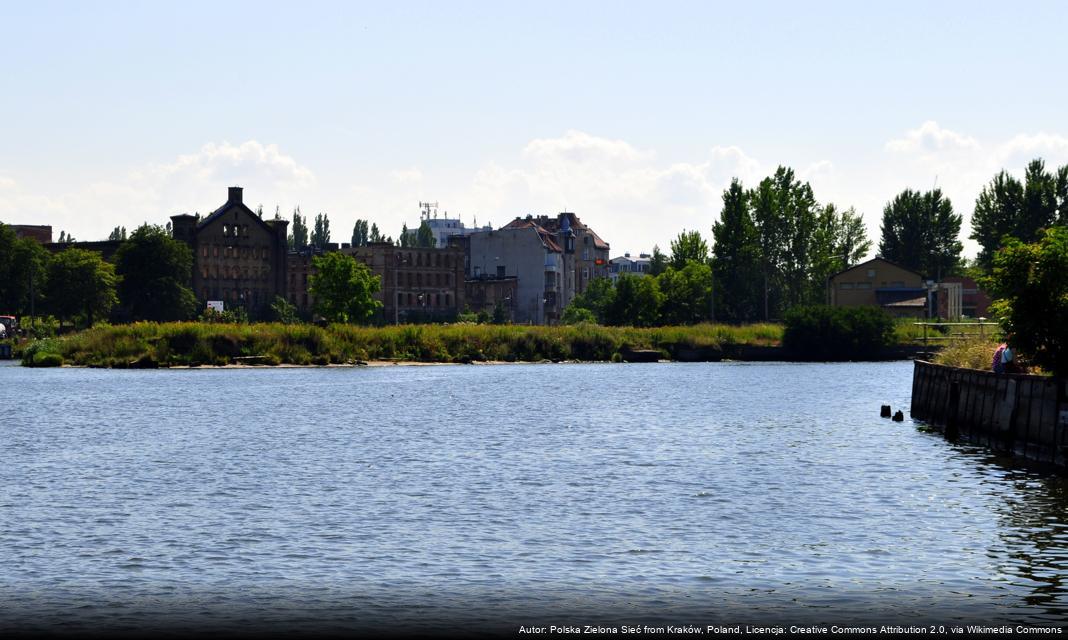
(633, 115)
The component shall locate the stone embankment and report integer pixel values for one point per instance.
(1022, 415)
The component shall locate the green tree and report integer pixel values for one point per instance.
(23, 264)
(689, 246)
(283, 311)
(784, 211)
(424, 237)
(118, 233)
(298, 233)
(360, 234)
(80, 282)
(1031, 297)
(840, 241)
(156, 273)
(597, 299)
(637, 302)
(658, 262)
(343, 288)
(405, 236)
(736, 258)
(687, 293)
(500, 315)
(1008, 207)
(320, 236)
(375, 235)
(920, 232)
(577, 315)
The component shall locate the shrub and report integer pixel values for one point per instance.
(837, 333)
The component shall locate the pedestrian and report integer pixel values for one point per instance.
(1003, 359)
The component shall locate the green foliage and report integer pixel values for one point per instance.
(736, 258)
(424, 237)
(597, 299)
(118, 233)
(1031, 297)
(658, 262)
(688, 247)
(344, 288)
(283, 311)
(576, 315)
(920, 231)
(233, 315)
(687, 294)
(975, 352)
(1008, 207)
(298, 232)
(376, 235)
(23, 272)
(156, 272)
(81, 283)
(636, 303)
(360, 235)
(320, 236)
(824, 332)
(500, 315)
(405, 236)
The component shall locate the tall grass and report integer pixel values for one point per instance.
(194, 344)
(974, 352)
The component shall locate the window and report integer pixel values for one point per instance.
(500, 270)
(204, 251)
(586, 273)
(845, 285)
(864, 285)
(215, 251)
(586, 254)
(871, 273)
(226, 229)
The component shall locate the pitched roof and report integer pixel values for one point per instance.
(547, 238)
(866, 262)
(227, 207)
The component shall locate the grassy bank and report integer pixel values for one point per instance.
(189, 343)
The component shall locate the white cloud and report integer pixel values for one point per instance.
(932, 138)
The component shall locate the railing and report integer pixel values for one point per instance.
(962, 335)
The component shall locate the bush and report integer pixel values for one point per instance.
(43, 359)
(823, 332)
(1031, 293)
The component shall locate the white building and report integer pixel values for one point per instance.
(626, 264)
(444, 227)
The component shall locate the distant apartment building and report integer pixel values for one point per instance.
(639, 266)
(589, 253)
(536, 258)
(880, 283)
(238, 258)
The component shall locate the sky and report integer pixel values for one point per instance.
(636, 116)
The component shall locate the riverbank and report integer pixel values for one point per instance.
(150, 345)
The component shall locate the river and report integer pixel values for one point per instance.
(486, 497)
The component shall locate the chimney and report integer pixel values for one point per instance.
(233, 195)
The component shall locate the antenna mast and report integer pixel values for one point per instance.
(425, 208)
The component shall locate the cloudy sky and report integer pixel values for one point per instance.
(633, 115)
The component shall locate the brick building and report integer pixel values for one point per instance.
(484, 293)
(417, 284)
(40, 232)
(238, 257)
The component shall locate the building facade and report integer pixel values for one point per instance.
(485, 293)
(531, 254)
(238, 258)
(589, 251)
(42, 233)
(639, 266)
(960, 296)
(880, 283)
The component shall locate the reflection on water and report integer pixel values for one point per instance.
(339, 498)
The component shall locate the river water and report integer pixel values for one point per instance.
(488, 497)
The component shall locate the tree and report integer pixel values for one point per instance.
(1031, 297)
(343, 288)
(405, 237)
(283, 311)
(376, 235)
(687, 293)
(597, 299)
(658, 262)
(359, 233)
(259, 211)
(1008, 207)
(320, 236)
(118, 233)
(636, 302)
(920, 232)
(23, 264)
(840, 241)
(424, 237)
(736, 258)
(156, 272)
(784, 211)
(80, 282)
(688, 247)
(298, 234)
(577, 315)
